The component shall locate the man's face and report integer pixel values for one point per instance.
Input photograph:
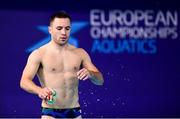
(60, 30)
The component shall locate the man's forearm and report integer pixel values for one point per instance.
(29, 86)
(96, 78)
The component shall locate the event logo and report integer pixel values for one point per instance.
(76, 26)
(128, 31)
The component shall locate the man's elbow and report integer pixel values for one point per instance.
(101, 82)
(22, 84)
(98, 79)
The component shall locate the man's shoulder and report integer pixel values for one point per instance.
(79, 50)
(39, 52)
(76, 49)
(43, 47)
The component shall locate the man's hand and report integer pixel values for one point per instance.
(44, 93)
(95, 76)
(83, 74)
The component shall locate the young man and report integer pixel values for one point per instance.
(59, 67)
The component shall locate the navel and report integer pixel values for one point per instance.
(53, 69)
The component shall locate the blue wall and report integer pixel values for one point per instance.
(141, 78)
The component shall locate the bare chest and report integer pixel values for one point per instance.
(65, 62)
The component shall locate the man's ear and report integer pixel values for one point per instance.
(49, 29)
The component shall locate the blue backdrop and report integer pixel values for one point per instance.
(142, 73)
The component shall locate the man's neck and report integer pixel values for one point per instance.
(58, 46)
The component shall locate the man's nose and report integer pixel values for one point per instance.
(63, 31)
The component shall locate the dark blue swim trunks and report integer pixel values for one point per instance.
(62, 113)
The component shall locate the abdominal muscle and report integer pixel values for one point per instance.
(66, 86)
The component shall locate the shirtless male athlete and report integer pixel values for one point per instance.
(59, 67)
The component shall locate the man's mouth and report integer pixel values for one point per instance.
(63, 38)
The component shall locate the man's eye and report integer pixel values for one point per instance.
(68, 28)
(58, 28)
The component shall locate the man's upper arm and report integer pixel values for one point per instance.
(32, 65)
(87, 63)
